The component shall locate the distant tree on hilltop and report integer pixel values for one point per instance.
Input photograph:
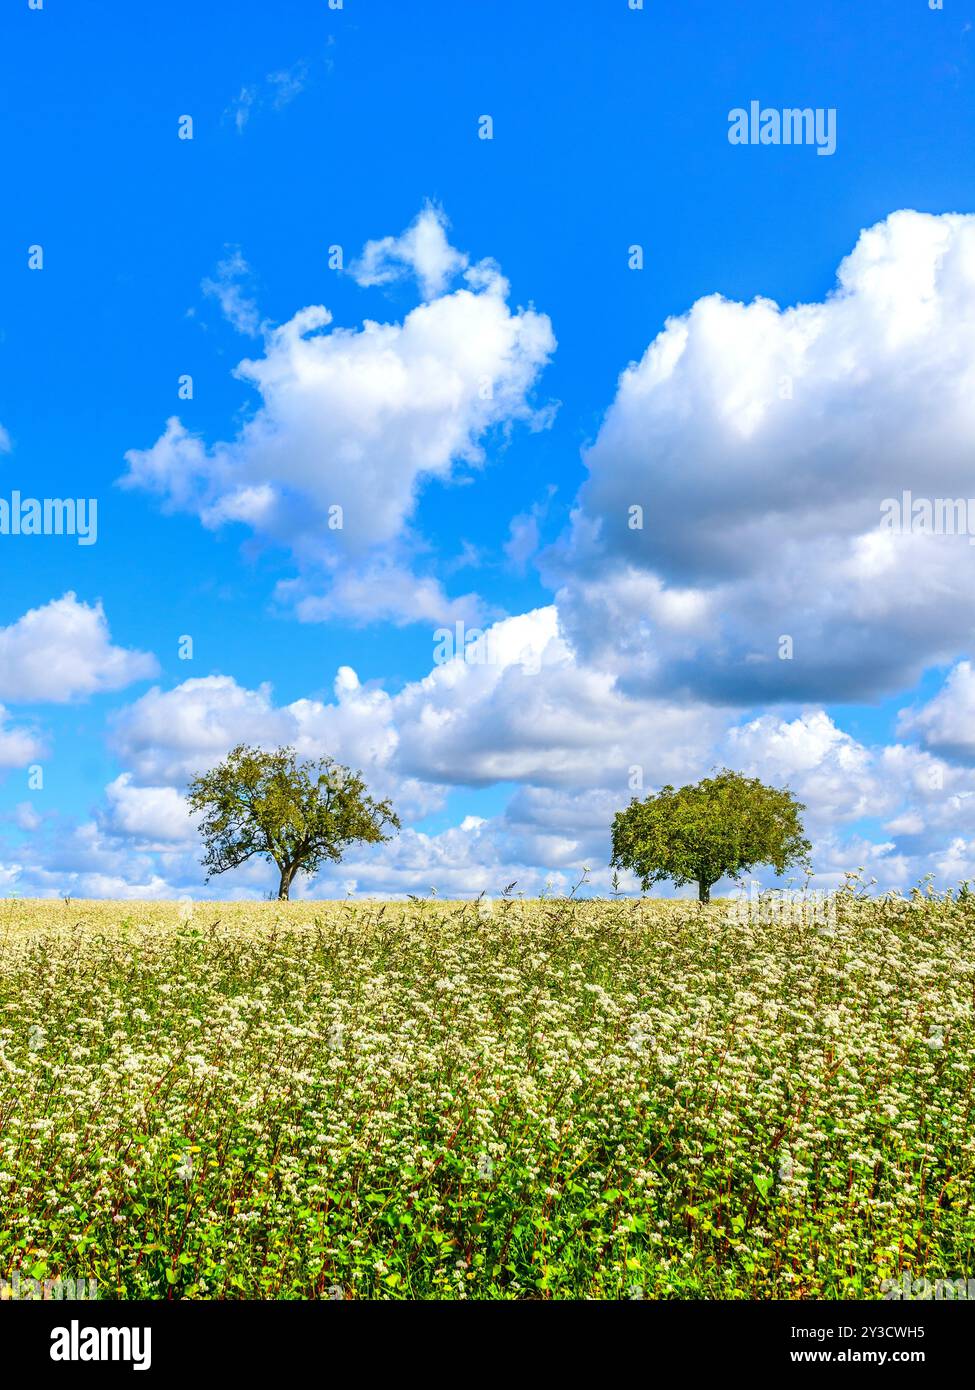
(297, 814)
(719, 827)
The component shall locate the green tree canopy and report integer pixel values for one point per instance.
(297, 814)
(721, 826)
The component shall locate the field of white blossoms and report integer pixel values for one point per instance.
(524, 1099)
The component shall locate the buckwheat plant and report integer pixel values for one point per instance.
(425, 1099)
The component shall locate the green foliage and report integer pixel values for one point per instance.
(297, 814)
(429, 1100)
(721, 826)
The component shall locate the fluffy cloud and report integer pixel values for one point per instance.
(514, 706)
(353, 423)
(169, 737)
(518, 706)
(382, 591)
(946, 724)
(155, 817)
(760, 444)
(63, 651)
(18, 745)
(86, 861)
(467, 860)
(423, 250)
(228, 288)
(832, 773)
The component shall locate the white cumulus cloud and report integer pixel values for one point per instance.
(353, 423)
(739, 477)
(423, 250)
(63, 651)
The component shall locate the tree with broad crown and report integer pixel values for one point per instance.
(723, 825)
(297, 814)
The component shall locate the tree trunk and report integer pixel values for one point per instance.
(287, 874)
(703, 892)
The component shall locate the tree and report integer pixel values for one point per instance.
(297, 814)
(723, 825)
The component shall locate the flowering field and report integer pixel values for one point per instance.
(519, 1099)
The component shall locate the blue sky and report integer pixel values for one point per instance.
(315, 127)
